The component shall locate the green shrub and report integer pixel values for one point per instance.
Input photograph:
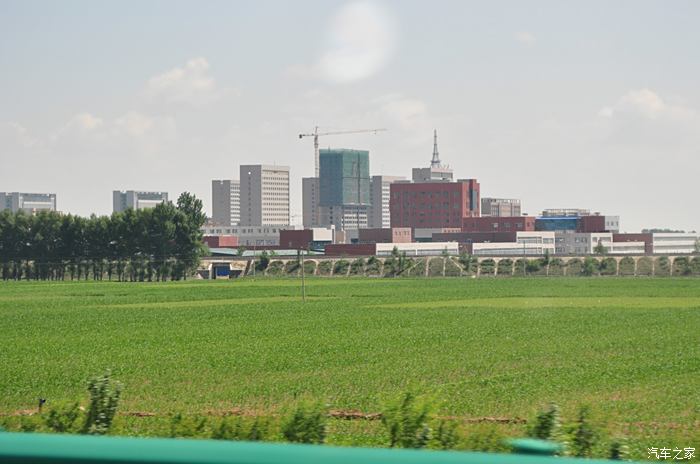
(418, 269)
(662, 267)
(556, 267)
(487, 266)
(275, 268)
(306, 425)
(341, 267)
(533, 266)
(483, 438)
(358, 266)
(547, 424)
(618, 450)
(262, 261)
(445, 435)
(104, 400)
(590, 266)
(681, 267)
(325, 267)
(374, 266)
(695, 265)
(468, 262)
(292, 267)
(406, 422)
(188, 426)
(626, 266)
(436, 267)
(309, 267)
(505, 267)
(242, 428)
(520, 267)
(63, 418)
(608, 266)
(645, 266)
(574, 267)
(583, 437)
(451, 268)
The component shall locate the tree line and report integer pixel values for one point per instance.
(160, 243)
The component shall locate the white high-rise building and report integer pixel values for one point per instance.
(27, 202)
(226, 202)
(264, 195)
(379, 195)
(136, 199)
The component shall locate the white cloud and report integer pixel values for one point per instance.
(133, 123)
(361, 39)
(408, 113)
(191, 84)
(17, 135)
(646, 103)
(525, 37)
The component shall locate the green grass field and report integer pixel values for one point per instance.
(628, 348)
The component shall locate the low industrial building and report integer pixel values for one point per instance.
(499, 224)
(525, 244)
(674, 243)
(386, 235)
(315, 238)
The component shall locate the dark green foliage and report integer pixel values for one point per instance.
(309, 267)
(600, 249)
(275, 268)
(184, 426)
(645, 266)
(618, 450)
(418, 269)
(681, 266)
(626, 266)
(262, 261)
(242, 428)
(520, 267)
(505, 267)
(63, 418)
(556, 267)
(406, 422)
(533, 266)
(436, 267)
(487, 266)
(608, 266)
(590, 266)
(397, 264)
(485, 437)
(445, 435)
(104, 399)
(358, 266)
(292, 267)
(468, 262)
(341, 267)
(451, 268)
(325, 267)
(583, 437)
(547, 424)
(574, 267)
(160, 243)
(307, 424)
(662, 267)
(695, 265)
(374, 266)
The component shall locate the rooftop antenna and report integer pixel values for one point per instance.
(435, 163)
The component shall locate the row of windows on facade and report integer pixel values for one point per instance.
(426, 194)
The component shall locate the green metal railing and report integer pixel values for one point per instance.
(53, 448)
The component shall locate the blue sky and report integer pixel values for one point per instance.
(562, 104)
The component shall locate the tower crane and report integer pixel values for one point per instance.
(316, 134)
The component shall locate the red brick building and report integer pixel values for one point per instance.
(499, 224)
(220, 241)
(589, 224)
(351, 249)
(433, 204)
(390, 235)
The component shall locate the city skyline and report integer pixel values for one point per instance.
(557, 106)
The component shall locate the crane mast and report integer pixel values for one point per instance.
(316, 134)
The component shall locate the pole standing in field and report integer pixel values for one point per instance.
(303, 282)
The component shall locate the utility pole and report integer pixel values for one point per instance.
(303, 282)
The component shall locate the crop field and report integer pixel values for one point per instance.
(487, 352)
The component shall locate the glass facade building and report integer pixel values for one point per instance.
(344, 177)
